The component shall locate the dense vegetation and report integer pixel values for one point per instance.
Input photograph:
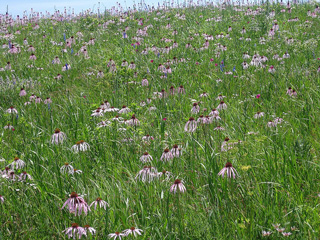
(118, 111)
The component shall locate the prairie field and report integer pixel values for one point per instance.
(189, 121)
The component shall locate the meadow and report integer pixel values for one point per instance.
(190, 122)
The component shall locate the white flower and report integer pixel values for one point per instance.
(80, 146)
(58, 137)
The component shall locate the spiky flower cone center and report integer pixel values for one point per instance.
(73, 195)
(228, 165)
(177, 181)
(86, 226)
(175, 146)
(132, 229)
(98, 199)
(166, 150)
(57, 130)
(191, 119)
(146, 153)
(16, 158)
(74, 225)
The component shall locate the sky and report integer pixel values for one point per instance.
(17, 7)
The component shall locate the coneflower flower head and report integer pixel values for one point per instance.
(229, 170)
(76, 204)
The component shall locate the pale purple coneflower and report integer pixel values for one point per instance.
(271, 69)
(32, 97)
(12, 110)
(27, 103)
(166, 155)
(195, 109)
(202, 120)
(220, 97)
(181, 90)
(25, 176)
(271, 124)
(133, 121)
(66, 168)
(89, 229)
(47, 101)
(38, 100)
(258, 115)
(266, 233)
(76, 204)
(176, 151)
(147, 138)
(99, 202)
(75, 171)
(112, 109)
(9, 127)
(165, 174)
(134, 231)
(204, 94)
(229, 170)
(97, 113)
(1, 199)
(178, 185)
(58, 137)
(146, 157)
(280, 230)
(80, 146)
(219, 128)
(222, 105)
(191, 125)
(214, 113)
(12, 176)
(116, 235)
(286, 234)
(142, 104)
(172, 90)
(124, 110)
(74, 231)
(22, 93)
(144, 82)
(32, 57)
(17, 164)
(147, 174)
(100, 74)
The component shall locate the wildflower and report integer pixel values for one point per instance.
(133, 121)
(146, 157)
(58, 137)
(204, 94)
(181, 89)
(99, 202)
(97, 113)
(75, 230)
(165, 173)
(222, 105)
(195, 109)
(89, 229)
(176, 151)
(271, 124)
(272, 69)
(219, 128)
(178, 185)
(12, 110)
(66, 168)
(265, 234)
(38, 100)
(147, 174)
(147, 138)
(9, 127)
(75, 171)
(172, 90)
(76, 203)
(124, 110)
(17, 164)
(191, 125)
(258, 96)
(258, 115)
(280, 230)
(47, 101)
(32, 57)
(286, 234)
(1, 199)
(116, 235)
(229, 170)
(144, 82)
(25, 176)
(80, 146)
(22, 93)
(166, 155)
